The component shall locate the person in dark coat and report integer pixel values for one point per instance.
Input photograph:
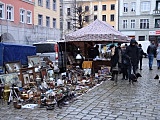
(114, 59)
(141, 53)
(126, 63)
(132, 52)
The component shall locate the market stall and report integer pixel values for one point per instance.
(95, 33)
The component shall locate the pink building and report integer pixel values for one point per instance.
(17, 12)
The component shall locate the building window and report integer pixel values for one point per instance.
(10, 11)
(145, 6)
(1, 11)
(95, 7)
(61, 25)
(54, 22)
(61, 12)
(54, 5)
(103, 17)
(22, 15)
(95, 17)
(112, 6)
(47, 21)
(68, 11)
(144, 23)
(112, 17)
(157, 23)
(86, 8)
(86, 18)
(133, 6)
(125, 6)
(40, 2)
(125, 24)
(133, 23)
(104, 7)
(29, 17)
(40, 20)
(141, 38)
(68, 25)
(48, 4)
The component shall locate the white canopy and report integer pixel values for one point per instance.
(97, 31)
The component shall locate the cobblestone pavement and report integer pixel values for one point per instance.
(105, 102)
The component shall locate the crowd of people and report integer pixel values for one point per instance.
(127, 59)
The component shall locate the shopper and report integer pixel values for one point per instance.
(158, 57)
(151, 51)
(132, 53)
(125, 63)
(141, 53)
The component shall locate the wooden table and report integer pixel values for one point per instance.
(97, 64)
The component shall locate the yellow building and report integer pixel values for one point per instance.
(47, 13)
(105, 10)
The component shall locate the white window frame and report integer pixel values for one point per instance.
(54, 22)
(47, 21)
(2, 11)
(22, 15)
(145, 23)
(29, 17)
(54, 5)
(48, 4)
(125, 24)
(40, 2)
(10, 13)
(68, 25)
(133, 23)
(40, 19)
(145, 6)
(68, 11)
(133, 6)
(125, 7)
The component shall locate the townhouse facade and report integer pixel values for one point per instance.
(20, 22)
(105, 10)
(140, 19)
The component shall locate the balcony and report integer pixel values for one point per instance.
(156, 12)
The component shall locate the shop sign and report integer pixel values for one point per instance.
(157, 32)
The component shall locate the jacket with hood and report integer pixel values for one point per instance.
(132, 51)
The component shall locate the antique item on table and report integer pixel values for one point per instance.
(30, 71)
(26, 78)
(12, 67)
(9, 79)
(44, 73)
(34, 61)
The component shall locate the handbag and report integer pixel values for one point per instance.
(115, 68)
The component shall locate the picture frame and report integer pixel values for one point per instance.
(26, 78)
(10, 79)
(44, 73)
(34, 61)
(12, 67)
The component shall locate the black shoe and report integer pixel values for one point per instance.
(140, 68)
(123, 79)
(112, 79)
(150, 69)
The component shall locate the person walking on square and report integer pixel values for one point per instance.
(141, 53)
(132, 53)
(151, 51)
(158, 57)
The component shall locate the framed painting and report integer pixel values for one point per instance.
(12, 67)
(10, 79)
(26, 78)
(34, 61)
